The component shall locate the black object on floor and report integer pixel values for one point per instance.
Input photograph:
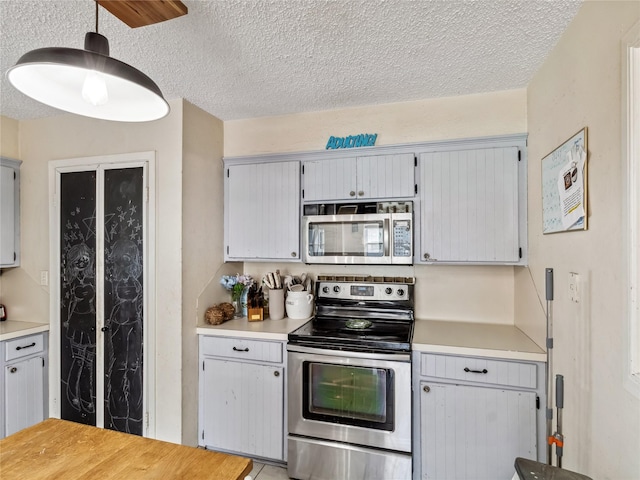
(531, 470)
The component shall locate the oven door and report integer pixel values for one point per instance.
(352, 397)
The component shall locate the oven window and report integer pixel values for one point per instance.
(359, 396)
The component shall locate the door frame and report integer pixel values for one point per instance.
(146, 160)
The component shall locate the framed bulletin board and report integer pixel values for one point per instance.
(564, 186)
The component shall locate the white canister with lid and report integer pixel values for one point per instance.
(299, 305)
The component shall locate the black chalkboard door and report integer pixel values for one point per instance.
(102, 238)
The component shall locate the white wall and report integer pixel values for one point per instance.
(475, 294)
(70, 136)
(579, 86)
(202, 238)
(9, 137)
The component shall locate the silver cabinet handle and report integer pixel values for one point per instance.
(426, 389)
(427, 256)
(352, 193)
(276, 373)
(360, 193)
(294, 254)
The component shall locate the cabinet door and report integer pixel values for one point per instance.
(24, 392)
(469, 202)
(263, 211)
(8, 216)
(327, 180)
(386, 176)
(244, 408)
(474, 433)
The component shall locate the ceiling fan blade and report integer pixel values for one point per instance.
(139, 13)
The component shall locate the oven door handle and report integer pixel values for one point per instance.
(397, 357)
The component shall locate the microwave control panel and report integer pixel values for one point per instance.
(402, 240)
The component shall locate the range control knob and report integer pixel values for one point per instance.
(325, 289)
(336, 289)
(388, 290)
(400, 292)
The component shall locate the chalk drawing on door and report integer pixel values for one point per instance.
(122, 314)
(78, 311)
(124, 301)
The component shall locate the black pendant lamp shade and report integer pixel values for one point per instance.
(88, 82)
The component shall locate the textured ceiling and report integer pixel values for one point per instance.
(251, 58)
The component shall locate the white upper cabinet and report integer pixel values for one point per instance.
(470, 206)
(331, 179)
(469, 197)
(9, 213)
(359, 178)
(262, 211)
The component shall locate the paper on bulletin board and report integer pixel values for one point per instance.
(564, 184)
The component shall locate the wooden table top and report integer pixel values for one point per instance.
(58, 449)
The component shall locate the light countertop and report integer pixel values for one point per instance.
(476, 339)
(265, 330)
(13, 329)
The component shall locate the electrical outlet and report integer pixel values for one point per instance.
(574, 292)
(44, 278)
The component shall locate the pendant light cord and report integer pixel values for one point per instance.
(96, 2)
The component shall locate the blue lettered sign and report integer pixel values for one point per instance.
(352, 141)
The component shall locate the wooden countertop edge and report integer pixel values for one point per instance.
(51, 448)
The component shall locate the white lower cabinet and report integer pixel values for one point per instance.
(475, 416)
(242, 396)
(24, 387)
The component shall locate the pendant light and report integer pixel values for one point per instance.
(88, 82)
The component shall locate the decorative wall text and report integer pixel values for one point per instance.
(352, 141)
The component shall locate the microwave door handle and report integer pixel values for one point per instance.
(385, 236)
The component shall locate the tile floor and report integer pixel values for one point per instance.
(268, 472)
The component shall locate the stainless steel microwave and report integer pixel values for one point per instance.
(349, 235)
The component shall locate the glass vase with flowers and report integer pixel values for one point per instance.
(237, 285)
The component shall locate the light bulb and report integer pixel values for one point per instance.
(94, 89)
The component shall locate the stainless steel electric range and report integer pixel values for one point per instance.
(349, 382)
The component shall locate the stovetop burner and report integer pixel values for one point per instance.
(360, 316)
(357, 324)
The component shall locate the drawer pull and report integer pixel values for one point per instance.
(236, 349)
(276, 374)
(27, 346)
(426, 389)
(468, 370)
(13, 370)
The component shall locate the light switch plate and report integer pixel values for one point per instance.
(574, 292)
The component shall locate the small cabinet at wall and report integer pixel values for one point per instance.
(23, 382)
(262, 211)
(9, 212)
(471, 206)
(359, 178)
(475, 416)
(242, 389)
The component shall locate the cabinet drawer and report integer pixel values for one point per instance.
(241, 348)
(476, 369)
(24, 346)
